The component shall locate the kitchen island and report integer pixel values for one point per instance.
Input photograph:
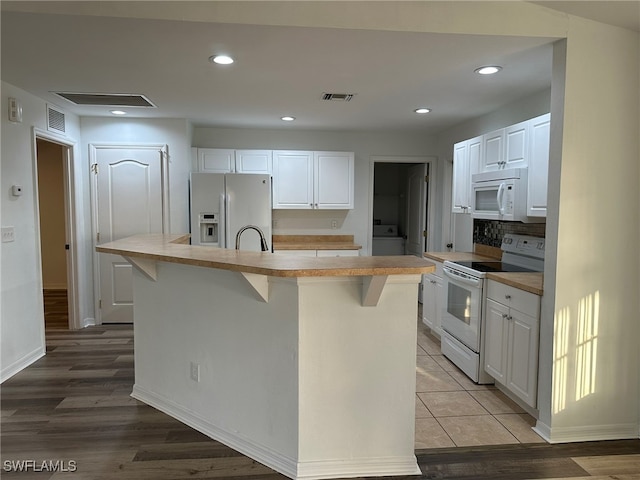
(305, 364)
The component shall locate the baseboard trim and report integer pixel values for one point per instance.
(587, 433)
(290, 467)
(371, 467)
(22, 363)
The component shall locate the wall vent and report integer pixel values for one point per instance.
(107, 99)
(337, 97)
(55, 120)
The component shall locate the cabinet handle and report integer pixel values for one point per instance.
(432, 281)
(505, 316)
(509, 317)
(508, 297)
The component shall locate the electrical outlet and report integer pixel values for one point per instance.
(334, 224)
(8, 234)
(195, 372)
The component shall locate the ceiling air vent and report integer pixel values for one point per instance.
(55, 120)
(337, 97)
(107, 99)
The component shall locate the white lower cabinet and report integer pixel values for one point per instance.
(512, 325)
(433, 299)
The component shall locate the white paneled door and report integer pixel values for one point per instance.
(416, 208)
(128, 199)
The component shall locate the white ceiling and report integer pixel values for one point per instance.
(278, 71)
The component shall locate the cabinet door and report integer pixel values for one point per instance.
(432, 302)
(538, 166)
(334, 180)
(474, 148)
(461, 184)
(493, 151)
(216, 160)
(292, 179)
(495, 340)
(522, 375)
(516, 150)
(253, 161)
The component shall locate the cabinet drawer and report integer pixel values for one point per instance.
(515, 298)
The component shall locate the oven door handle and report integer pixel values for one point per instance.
(460, 277)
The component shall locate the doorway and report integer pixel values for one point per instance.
(400, 205)
(52, 176)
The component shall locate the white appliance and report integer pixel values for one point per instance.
(222, 203)
(462, 316)
(386, 240)
(501, 195)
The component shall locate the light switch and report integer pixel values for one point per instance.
(8, 234)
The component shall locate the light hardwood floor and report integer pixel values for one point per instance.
(74, 405)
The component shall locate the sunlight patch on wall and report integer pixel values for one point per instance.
(560, 359)
(587, 345)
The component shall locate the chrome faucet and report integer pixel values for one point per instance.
(263, 241)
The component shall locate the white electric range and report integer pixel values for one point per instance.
(462, 317)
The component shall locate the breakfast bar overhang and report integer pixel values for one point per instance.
(306, 365)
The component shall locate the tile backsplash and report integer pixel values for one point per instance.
(490, 232)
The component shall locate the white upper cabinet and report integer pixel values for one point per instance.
(516, 145)
(466, 161)
(333, 180)
(216, 160)
(523, 145)
(461, 188)
(292, 179)
(253, 161)
(228, 160)
(538, 166)
(313, 180)
(493, 151)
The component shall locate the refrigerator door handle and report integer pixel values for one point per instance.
(224, 241)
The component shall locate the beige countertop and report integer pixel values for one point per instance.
(173, 249)
(456, 256)
(527, 281)
(314, 242)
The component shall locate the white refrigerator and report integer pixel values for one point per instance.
(222, 203)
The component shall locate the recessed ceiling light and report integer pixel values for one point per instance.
(422, 110)
(221, 59)
(287, 118)
(118, 112)
(488, 69)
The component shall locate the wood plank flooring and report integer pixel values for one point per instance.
(75, 405)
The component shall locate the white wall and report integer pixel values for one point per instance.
(365, 145)
(590, 322)
(22, 315)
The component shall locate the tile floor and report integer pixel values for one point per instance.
(451, 410)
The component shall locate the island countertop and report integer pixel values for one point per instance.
(175, 249)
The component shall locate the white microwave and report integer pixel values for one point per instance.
(501, 195)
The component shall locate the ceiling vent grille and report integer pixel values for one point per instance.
(55, 120)
(107, 99)
(337, 97)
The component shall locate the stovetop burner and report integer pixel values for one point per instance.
(489, 266)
